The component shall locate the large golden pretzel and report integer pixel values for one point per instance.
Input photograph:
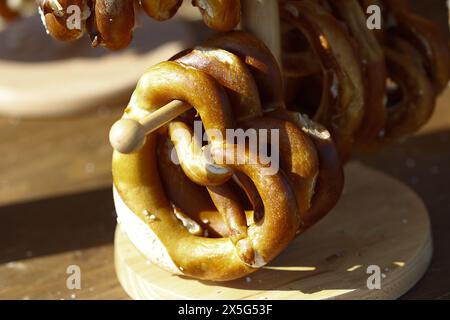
(238, 222)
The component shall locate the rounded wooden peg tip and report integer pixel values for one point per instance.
(127, 136)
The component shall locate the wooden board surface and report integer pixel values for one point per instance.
(369, 227)
(45, 78)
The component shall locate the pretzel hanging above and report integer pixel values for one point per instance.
(110, 23)
(404, 66)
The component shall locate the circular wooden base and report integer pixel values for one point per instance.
(42, 77)
(379, 225)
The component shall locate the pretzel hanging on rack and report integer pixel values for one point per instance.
(244, 219)
(418, 66)
(247, 248)
(342, 100)
(110, 23)
(410, 55)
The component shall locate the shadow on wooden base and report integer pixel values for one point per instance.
(379, 223)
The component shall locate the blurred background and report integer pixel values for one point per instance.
(56, 206)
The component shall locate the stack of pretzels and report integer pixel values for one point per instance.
(110, 23)
(368, 87)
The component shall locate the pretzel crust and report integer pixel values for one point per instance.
(110, 23)
(56, 16)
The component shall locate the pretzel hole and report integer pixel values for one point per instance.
(394, 94)
(306, 94)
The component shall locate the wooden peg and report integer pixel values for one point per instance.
(128, 135)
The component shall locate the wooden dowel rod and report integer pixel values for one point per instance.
(128, 135)
(260, 17)
(164, 115)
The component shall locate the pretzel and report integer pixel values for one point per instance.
(426, 37)
(415, 106)
(342, 105)
(418, 65)
(55, 15)
(114, 23)
(6, 12)
(250, 247)
(373, 65)
(110, 23)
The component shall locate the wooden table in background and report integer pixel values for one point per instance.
(56, 206)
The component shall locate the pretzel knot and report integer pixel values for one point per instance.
(110, 23)
(209, 217)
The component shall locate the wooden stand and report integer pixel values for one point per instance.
(378, 222)
(45, 78)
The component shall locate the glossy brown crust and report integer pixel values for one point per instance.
(220, 15)
(342, 105)
(111, 22)
(373, 65)
(329, 183)
(6, 13)
(161, 9)
(261, 62)
(56, 15)
(232, 74)
(114, 22)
